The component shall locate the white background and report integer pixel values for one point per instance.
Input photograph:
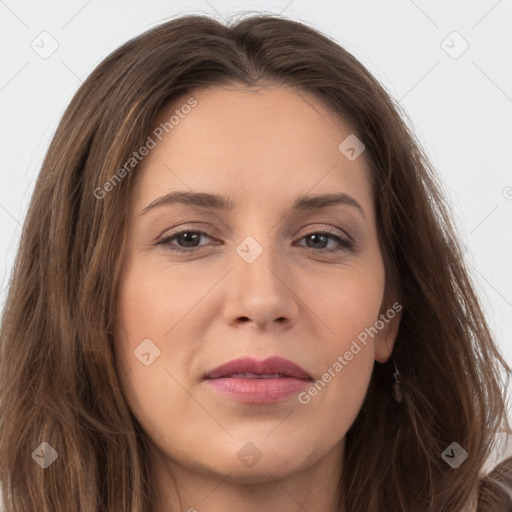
(461, 107)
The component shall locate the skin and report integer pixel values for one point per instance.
(261, 148)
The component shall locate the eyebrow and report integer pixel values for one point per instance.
(217, 202)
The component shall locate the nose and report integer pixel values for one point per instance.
(261, 293)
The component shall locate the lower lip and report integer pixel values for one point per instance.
(258, 391)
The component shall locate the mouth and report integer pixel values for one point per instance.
(256, 376)
(249, 368)
(258, 382)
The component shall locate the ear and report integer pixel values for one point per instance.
(389, 320)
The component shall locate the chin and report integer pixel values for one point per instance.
(258, 462)
(262, 472)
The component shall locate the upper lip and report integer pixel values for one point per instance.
(270, 366)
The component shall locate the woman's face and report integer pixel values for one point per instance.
(261, 279)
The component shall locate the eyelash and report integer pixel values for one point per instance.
(346, 244)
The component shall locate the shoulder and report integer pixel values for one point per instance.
(472, 504)
(496, 475)
(502, 451)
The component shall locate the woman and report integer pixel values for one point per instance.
(257, 370)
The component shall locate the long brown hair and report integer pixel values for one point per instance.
(59, 383)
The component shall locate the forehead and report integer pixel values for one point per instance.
(251, 143)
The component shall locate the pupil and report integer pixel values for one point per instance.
(316, 237)
(187, 235)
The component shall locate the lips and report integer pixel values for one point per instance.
(248, 368)
(250, 381)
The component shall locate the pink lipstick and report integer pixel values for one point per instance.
(258, 382)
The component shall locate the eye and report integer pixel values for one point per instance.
(190, 239)
(322, 237)
(187, 237)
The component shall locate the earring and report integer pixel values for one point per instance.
(396, 389)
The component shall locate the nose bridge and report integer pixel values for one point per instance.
(260, 284)
(259, 262)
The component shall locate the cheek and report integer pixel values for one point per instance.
(153, 303)
(348, 306)
(149, 314)
(347, 303)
